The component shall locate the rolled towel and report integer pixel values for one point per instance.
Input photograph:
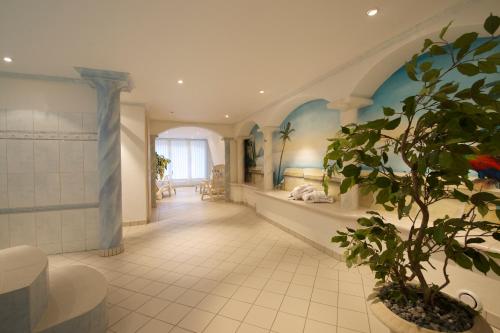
(299, 191)
(316, 196)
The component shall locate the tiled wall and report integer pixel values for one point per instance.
(48, 180)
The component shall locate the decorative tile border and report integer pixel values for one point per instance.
(112, 252)
(48, 208)
(30, 135)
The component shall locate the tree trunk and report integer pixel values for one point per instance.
(279, 167)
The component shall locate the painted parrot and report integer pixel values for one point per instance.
(486, 166)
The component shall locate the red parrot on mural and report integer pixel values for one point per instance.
(486, 166)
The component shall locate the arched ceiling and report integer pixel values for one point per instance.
(224, 51)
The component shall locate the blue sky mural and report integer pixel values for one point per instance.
(398, 86)
(314, 123)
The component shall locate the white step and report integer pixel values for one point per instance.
(23, 288)
(77, 301)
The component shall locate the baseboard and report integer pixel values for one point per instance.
(134, 223)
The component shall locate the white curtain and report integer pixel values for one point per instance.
(190, 159)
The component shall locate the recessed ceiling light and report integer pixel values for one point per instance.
(180, 81)
(261, 91)
(227, 116)
(7, 59)
(372, 12)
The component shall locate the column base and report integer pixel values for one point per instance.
(112, 251)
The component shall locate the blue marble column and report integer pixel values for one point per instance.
(227, 168)
(109, 85)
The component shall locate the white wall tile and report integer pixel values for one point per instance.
(51, 248)
(72, 189)
(73, 225)
(45, 121)
(20, 156)
(22, 229)
(19, 120)
(46, 156)
(4, 231)
(92, 227)
(73, 246)
(90, 122)
(71, 156)
(48, 226)
(90, 156)
(2, 120)
(3, 156)
(70, 122)
(21, 190)
(4, 195)
(47, 189)
(91, 187)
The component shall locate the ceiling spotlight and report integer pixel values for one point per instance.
(227, 116)
(7, 59)
(180, 81)
(372, 12)
(261, 91)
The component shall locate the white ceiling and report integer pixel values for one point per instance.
(224, 50)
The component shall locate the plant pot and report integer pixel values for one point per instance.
(396, 324)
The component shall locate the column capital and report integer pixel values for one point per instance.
(227, 138)
(97, 77)
(350, 103)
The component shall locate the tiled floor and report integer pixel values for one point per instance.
(216, 267)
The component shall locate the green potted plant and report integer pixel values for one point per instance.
(437, 129)
(161, 165)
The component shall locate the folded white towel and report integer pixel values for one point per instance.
(300, 190)
(316, 196)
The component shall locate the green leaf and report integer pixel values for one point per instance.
(339, 239)
(351, 171)
(487, 67)
(393, 124)
(488, 46)
(481, 262)
(462, 260)
(438, 235)
(365, 222)
(443, 31)
(345, 185)
(430, 75)
(460, 196)
(410, 71)
(383, 182)
(427, 43)
(388, 111)
(491, 24)
(482, 197)
(494, 267)
(437, 50)
(496, 236)
(383, 196)
(468, 69)
(465, 40)
(425, 66)
(475, 240)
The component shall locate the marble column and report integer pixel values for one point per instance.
(268, 156)
(152, 161)
(227, 168)
(109, 85)
(348, 108)
(240, 159)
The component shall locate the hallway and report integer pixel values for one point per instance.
(217, 267)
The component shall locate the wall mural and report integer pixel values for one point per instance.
(398, 86)
(313, 123)
(254, 152)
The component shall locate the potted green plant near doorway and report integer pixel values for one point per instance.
(161, 165)
(436, 130)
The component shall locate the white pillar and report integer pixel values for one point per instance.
(348, 108)
(109, 85)
(268, 156)
(152, 164)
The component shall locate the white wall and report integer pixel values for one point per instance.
(134, 163)
(48, 165)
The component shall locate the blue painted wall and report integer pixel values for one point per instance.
(314, 123)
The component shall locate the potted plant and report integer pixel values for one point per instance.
(161, 165)
(436, 130)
